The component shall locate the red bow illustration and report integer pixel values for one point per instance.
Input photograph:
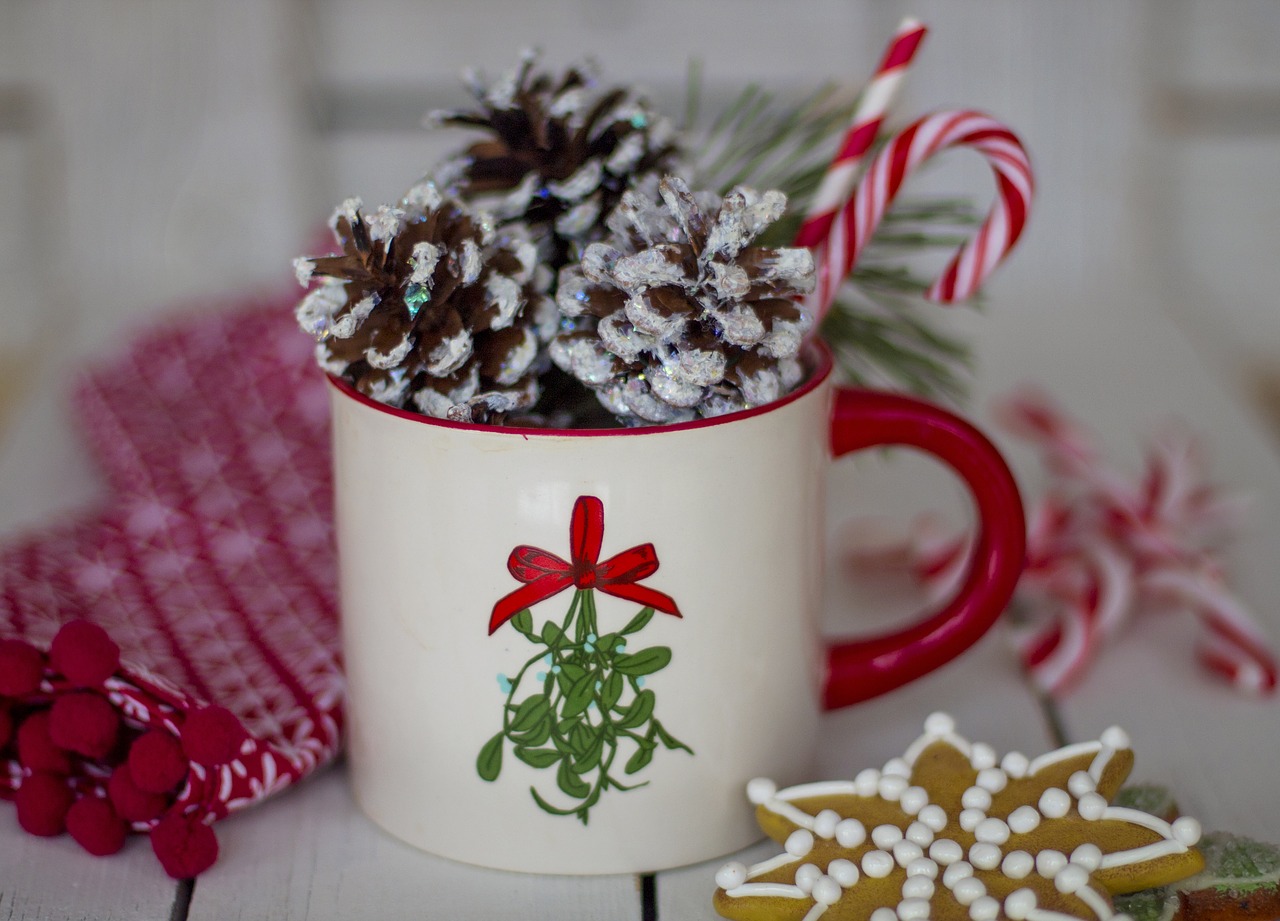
(546, 574)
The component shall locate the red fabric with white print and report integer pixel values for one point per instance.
(1102, 546)
(210, 567)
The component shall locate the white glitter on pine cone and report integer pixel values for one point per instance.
(571, 296)
(344, 327)
(424, 259)
(650, 268)
(696, 367)
(764, 386)
(390, 389)
(585, 359)
(386, 360)
(653, 322)
(672, 391)
(527, 255)
(784, 338)
(579, 219)
(570, 102)
(730, 281)
(740, 325)
(346, 211)
(450, 355)
(516, 202)
(626, 155)
(431, 403)
(327, 363)
(364, 307)
(505, 295)
(598, 261)
(518, 360)
(622, 338)
(303, 269)
(466, 262)
(546, 319)
(423, 196)
(641, 401)
(385, 223)
(315, 312)
(585, 180)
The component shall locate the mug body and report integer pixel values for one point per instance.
(593, 732)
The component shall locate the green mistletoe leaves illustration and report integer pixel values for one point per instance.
(579, 705)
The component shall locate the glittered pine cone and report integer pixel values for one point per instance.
(429, 308)
(676, 316)
(558, 154)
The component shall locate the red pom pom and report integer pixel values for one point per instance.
(156, 762)
(43, 801)
(95, 826)
(21, 667)
(132, 804)
(36, 750)
(84, 654)
(6, 726)
(212, 735)
(185, 846)
(84, 723)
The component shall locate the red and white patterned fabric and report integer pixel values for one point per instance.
(210, 566)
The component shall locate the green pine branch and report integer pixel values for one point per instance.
(882, 330)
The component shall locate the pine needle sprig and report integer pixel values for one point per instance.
(882, 330)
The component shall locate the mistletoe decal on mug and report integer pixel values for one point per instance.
(579, 703)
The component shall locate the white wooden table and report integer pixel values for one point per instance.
(1110, 355)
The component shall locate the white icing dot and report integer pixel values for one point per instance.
(946, 852)
(1055, 803)
(969, 818)
(920, 833)
(850, 832)
(1091, 806)
(992, 779)
(799, 842)
(844, 872)
(1186, 830)
(1080, 783)
(913, 909)
(913, 799)
(1114, 737)
(1072, 878)
(1024, 819)
(968, 890)
(923, 866)
(985, 909)
(1050, 863)
(825, 822)
(731, 875)
(760, 790)
(956, 872)
(906, 851)
(883, 914)
(982, 756)
(1020, 904)
(867, 782)
(826, 891)
(886, 836)
(896, 767)
(1015, 764)
(985, 856)
(992, 831)
(877, 864)
(933, 816)
(892, 787)
(939, 724)
(1087, 855)
(806, 875)
(917, 887)
(1017, 864)
(976, 798)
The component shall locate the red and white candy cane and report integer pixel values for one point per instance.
(868, 116)
(853, 227)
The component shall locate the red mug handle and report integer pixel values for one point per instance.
(864, 668)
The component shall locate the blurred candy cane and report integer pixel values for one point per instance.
(856, 222)
(868, 116)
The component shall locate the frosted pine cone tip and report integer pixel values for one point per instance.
(677, 315)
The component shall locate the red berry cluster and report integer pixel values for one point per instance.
(88, 771)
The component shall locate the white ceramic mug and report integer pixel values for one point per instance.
(568, 651)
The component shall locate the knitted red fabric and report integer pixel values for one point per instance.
(197, 606)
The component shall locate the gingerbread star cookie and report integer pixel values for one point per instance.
(952, 832)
